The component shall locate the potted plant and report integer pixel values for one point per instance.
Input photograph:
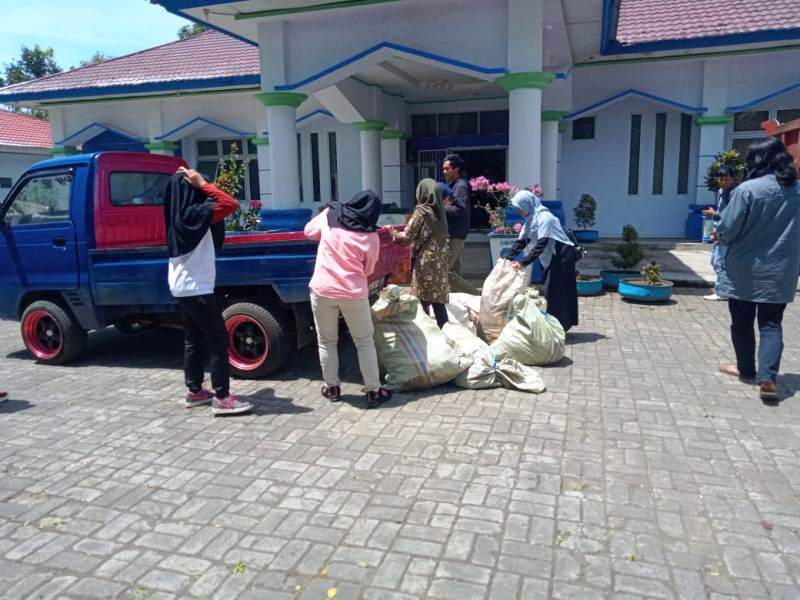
(629, 255)
(588, 285)
(651, 288)
(584, 218)
(230, 179)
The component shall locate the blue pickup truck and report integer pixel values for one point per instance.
(82, 247)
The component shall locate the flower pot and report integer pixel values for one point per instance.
(611, 278)
(640, 290)
(589, 285)
(586, 236)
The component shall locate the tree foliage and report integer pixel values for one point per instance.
(191, 30)
(32, 63)
(97, 57)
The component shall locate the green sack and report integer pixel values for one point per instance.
(411, 348)
(531, 337)
(486, 372)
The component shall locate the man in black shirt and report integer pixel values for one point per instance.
(458, 210)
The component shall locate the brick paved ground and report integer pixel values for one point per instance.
(640, 473)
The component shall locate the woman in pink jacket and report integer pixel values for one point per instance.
(347, 254)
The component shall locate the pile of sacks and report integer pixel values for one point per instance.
(492, 340)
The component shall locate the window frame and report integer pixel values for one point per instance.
(123, 206)
(245, 153)
(754, 135)
(22, 184)
(593, 121)
(634, 191)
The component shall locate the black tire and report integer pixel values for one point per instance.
(247, 323)
(42, 323)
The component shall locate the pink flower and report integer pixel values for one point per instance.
(517, 227)
(479, 184)
(255, 204)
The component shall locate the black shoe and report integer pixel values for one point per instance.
(769, 393)
(375, 399)
(332, 393)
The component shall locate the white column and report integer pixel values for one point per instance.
(393, 157)
(371, 163)
(524, 85)
(713, 123)
(550, 122)
(281, 124)
(154, 117)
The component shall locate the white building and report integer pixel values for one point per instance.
(23, 141)
(627, 100)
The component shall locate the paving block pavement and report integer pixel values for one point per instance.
(640, 473)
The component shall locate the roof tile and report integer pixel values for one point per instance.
(21, 130)
(642, 21)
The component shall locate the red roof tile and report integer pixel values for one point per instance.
(643, 21)
(210, 55)
(22, 130)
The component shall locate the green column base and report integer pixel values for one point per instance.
(535, 79)
(370, 125)
(713, 120)
(394, 134)
(162, 146)
(260, 141)
(281, 98)
(64, 151)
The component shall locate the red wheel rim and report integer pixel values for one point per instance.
(42, 335)
(248, 343)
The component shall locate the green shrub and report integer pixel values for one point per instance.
(585, 211)
(629, 251)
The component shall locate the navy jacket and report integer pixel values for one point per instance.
(459, 209)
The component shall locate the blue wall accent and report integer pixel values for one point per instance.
(319, 111)
(641, 94)
(95, 124)
(111, 140)
(392, 46)
(232, 130)
(458, 141)
(763, 99)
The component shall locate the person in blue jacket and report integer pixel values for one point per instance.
(761, 229)
(458, 209)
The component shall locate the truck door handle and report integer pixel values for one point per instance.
(59, 242)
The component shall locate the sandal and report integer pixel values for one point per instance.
(332, 393)
(378, 397)
(733, 371)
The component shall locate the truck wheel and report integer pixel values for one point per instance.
(257, 342)
(51, 333)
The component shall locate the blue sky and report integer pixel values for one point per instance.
(76, 29)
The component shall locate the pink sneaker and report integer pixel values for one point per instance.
(230, 406)
(193, 399)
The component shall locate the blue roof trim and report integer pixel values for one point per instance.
(319, 111)
(565, 75)
(175, 7)
(762, 99)
(116, 90)
(105, 127)
(238, 132)
(641, 94)
(609, 45)
(399, 48)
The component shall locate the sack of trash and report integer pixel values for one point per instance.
(499, 289)
(485, 372)
(411, 348)
(532, 336)
(464, 309)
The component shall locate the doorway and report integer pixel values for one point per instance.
(489, 162)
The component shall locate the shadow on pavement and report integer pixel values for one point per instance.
(13, 405)
(583, 337)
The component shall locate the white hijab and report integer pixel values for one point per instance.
(539, 221)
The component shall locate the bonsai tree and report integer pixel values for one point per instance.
(651, 273)
(585, 211)
(728, 158)
(629, 251)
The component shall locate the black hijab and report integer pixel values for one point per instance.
(187, 216)
(360, 213)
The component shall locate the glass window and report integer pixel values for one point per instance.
(423, 125)
(255, 187)
(742, 144)
(334, 166)
(635, 147)
(41, 200)
(5, 182)
(458, 123)
(134, 189)
(749, 120)
(494, 121)
(683, 154)
(658, 153)
(251, 147)
(228, 150)
(315, 167)
(299, 165)
(207, 148)
(791, 114)
(208, 169)
(583, 129)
